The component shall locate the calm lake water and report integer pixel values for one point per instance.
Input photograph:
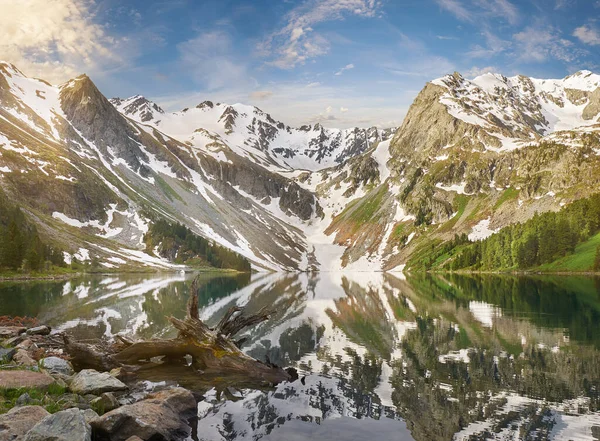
(384, 357)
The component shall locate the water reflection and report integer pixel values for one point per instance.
(424, 358)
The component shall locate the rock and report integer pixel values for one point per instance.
(39, 330)
(23, 358)
(68, 401)
(134, 438)
(106, 402)
(19, 379)
(162, 416)
(6, 355)
(19, 420)
(67, 425)
(11, 331)
(23, 400)
(89, 381)
(55, 365)
(89, 415)
(14, 340)
(27, 345)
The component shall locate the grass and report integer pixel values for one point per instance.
(460, 204)
(581, 260)
(508, 194)
(48, 399)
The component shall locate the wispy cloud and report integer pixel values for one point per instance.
(456, 8)
(494, 46)
(210, 63)
(55, 40)
(297, 41)
(588, 35)
(538, 43)
(344, 69)
(474, 10)
(478, 71)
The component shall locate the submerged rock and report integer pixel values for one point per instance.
(161, 417)
(19, 420)
(67, 425)
(89, 381)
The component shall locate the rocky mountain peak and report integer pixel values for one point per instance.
(138, 107)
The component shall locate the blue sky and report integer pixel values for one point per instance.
(339, 62)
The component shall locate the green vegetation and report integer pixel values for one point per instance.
(181, 245)
(21, 247)
(508, 195)
(554, 241)
(47, 399)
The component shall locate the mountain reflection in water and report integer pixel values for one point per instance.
(424, 358)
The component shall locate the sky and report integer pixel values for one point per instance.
(342, 63)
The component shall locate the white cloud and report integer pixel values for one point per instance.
(539, 43)
(477, 9)
(478, 71)
(344, 69)
(54, 40)
(261, 95)
(457, 9)
(343, 109)
(209, 61)
(588, 35)
(494, 46)
(297, 42)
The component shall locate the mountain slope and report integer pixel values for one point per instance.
(472, 156)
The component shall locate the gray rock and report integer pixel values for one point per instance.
(106, 402)
(13, 341)
(55, 365)
(89, 381)
(19, 420)
(89, 415)
(23, 400)
(161, 417)
(6, 355)
(67, 425)
(39, 330)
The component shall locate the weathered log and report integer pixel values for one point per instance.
(213, 350)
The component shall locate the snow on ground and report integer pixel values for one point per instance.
(481, 231)
(458, 188)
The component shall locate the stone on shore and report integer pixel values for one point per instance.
(6, 355)
(15, 424)
(89, 381)
(11, 331)
(161, 417)
(23, 358)
(105, 402)
(18, 379)
(39, 330)
(55, 365)
(67, 425)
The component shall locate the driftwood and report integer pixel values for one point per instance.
(213, 351)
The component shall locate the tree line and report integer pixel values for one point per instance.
(542, 239)
(181, 245)
(21, 247)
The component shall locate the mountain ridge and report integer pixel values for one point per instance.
(96, 172)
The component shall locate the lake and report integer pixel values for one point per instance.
(384, 356)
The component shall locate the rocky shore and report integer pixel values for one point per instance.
(42, 397)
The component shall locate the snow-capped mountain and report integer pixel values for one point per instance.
(254, 134)
(471, 157)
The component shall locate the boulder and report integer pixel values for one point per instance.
(67, 425)
(161, 417)
(55, 365)
(105, 402)
(18, 379)
(135, 438)
(23, 358)
(19, 420)
(23, 400)
(11, 331)
(39, 330)
(89, 381)
(14, 340)
(6, 355)
(89, 415)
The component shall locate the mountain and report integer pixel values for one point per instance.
(254, 134)
(472, 157)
